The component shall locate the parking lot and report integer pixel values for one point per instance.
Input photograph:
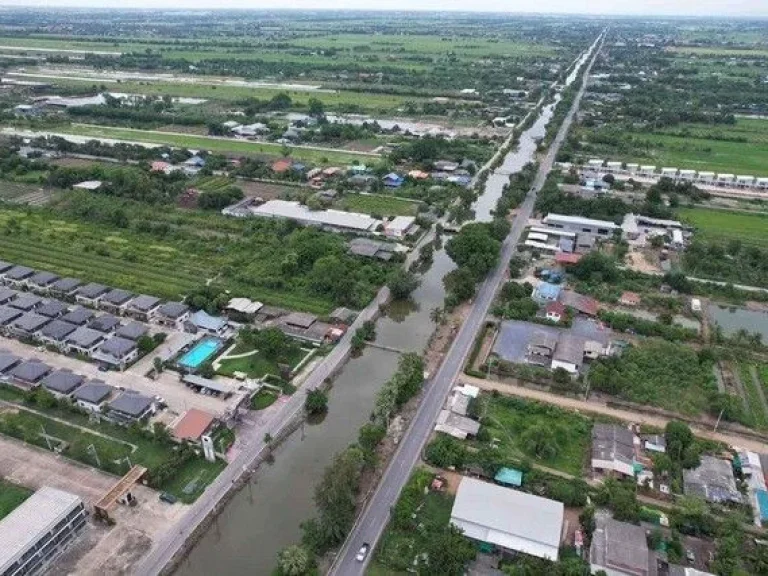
(178, 397)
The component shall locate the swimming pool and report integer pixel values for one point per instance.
(200, 352)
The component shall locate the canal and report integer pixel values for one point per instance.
(266, 515)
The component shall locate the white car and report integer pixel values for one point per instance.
(363, 552)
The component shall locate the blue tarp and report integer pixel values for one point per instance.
(762, 502)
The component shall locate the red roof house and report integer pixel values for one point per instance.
(567, 258)
(630, 299)
(280, 166)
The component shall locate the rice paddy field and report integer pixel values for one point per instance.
(749, 228)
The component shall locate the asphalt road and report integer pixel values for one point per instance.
(374, 518)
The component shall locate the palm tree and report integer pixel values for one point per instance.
(436, 315)
(293, 561)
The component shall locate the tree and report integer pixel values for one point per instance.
(474, 248)
(540, 441)
(316, 402)
(316, 108)
(561, 376)
(272, 342)
(161, 432)
(402, 283)
(368, 438)
(294, 561)
(447, 553)
(678, 437)
(157, 362)
(460, 285)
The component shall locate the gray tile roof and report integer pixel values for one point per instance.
(91, 290)
(58, 330)
(43, 278)
(173, 309)
(619, 546)
(105, 323)
(131, 403)
(78, 316)
(85, 337)
(612, 442)
(713, 480)
(8, 361)
(52, 308)
(30, 371)
(62, 381)
(8, 315)
(117, 297)
(26, 302)
(19, 273)
(93, 391)
(132, 330)
(117, 347)
(30, 322)
(66, 285)
(144, 303)
(5, 266)
(7, 294)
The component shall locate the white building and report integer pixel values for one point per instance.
(745, 181)
(332, 219)
(509, 519)
(647, 171)
(580, 225)
(669, 173)
(725, 179)
(706, 177)
(688, 175)
(761, 183)
(595, 164)
(632, 168)
(399, 227)
(613, 167)
(36, 532)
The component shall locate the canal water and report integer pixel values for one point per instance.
(732, 319)
(266, 515)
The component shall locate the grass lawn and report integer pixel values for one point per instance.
(257, 365)
(506, 422)
(726, 225)
(378, 204)
(756, 411)
(220, 145)
(401, 544)
(191, 480)
(263, 399)
(11, 496)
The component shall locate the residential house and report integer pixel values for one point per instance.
(713, 481)
(8, 361)
(17, 276)
(117, 352)
(569, 353)
(56, 333)
(29, 373)
(52, 309)
(193, 425)
(456, 425)
(546, 292)
(6, 295)
(105, 324)
(172, 315)
(78, 316)
(581, 225)
(143, 308)
(582, 304)
(26, 302)
(90, 294)
(393, 180)
(84, 341)
(630, 299)
(613, 450)
(243, 308)
(8, 315)
(555, 312)
(445, 166)
(654, 443)
(541, 347)
(132, 331)
(42, 281)
(92, 395)
(281, 166)
(61, 383)
(116, 301)
(90, 185)
(618, 548)
(130, 406)
(399, 227)
(4, 267)
(65, 288)
(202, 322)
(26, 326)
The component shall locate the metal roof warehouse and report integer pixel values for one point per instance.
(332, 218)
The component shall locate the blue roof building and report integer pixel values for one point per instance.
(546, 292)
(393, 180)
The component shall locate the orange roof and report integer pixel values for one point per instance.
(193, 424)
(567, 258)
(281, 166)
(632, 298)
(418, 175)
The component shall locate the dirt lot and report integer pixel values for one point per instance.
(68, 162)
(102, 550)
(264, 190)
(637, 261)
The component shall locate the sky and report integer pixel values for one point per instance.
(610, 7)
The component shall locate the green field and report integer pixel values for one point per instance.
(378, 204)
(756, 412)
(263, 399)
(750, 228)
(11, 496)
(511, 424)
(717, 51)
(217, 145)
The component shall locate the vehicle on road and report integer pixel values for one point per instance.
(363, 552)
(168, 498)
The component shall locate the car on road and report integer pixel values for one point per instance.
(168, 498)
(363, 552)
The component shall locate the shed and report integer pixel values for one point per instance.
(509, 477)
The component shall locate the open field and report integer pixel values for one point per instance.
(219, 145)
(378, 204)
(11, 496)
(725, 225)
(721, 51)
(258, 365)
(756, 410)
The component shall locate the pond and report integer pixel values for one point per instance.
(732, 319)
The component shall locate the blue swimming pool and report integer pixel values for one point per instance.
(200, 352)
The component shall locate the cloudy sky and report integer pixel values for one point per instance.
(644, 7)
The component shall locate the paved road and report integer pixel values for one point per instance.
(374, 518)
